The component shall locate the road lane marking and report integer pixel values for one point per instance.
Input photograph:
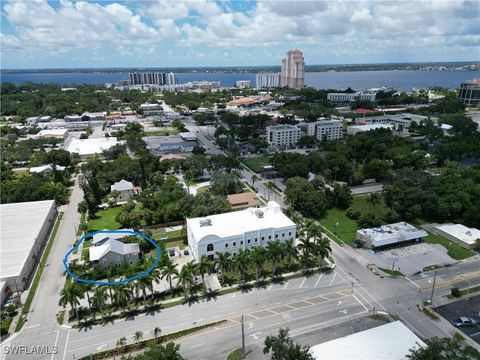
(66, 344)
(334, 276)
(318, 280)
(361, 303)
(31, 327)
(413, 282)
(56, 340)
(194, 346)
(305, 278)
(286, 285)
(269, 287)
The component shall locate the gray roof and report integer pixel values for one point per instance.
(122, 185)
(110, 235)
(97, 252)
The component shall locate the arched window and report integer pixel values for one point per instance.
(210, 247)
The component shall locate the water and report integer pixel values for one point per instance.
(402, 80)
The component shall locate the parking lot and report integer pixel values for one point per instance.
(469, 308)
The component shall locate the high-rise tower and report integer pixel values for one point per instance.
(293, 70)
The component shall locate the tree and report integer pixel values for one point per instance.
(143, 283)
(156, 332)
(254, 179)
(186, 279)
(138, 336)
(290, 251)
(71, 294)
(257, 258)
(121, 342)
(169, 272)
(99, 299)
(444, 349)
(122, 294)
(275, 254)
(168, 351)
(283, 347)
(241, 262)
(204, 266)
(225, 184)
(222, 262)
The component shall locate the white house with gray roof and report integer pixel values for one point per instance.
(101, 237)
(114, 253)
(125, 190)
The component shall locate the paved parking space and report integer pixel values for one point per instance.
(469, 308)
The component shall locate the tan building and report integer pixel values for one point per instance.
(243, 200)
(293, 70)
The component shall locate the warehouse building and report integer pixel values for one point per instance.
(237, 230)
(460, 234)
(21, 245)
(89, 147)
(390, 236)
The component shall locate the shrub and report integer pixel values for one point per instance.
(10, 308)
(455, 292)
(353, 213)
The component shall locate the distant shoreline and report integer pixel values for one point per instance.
(257, 69)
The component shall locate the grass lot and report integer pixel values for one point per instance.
(347, 227)
(38, 275)
(256, 162)
(105, 219)
(163, 132)
(391, 272)
(236, 354)
(454, 251)
(202, 189)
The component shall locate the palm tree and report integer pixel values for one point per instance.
(290, 251)
(110, 279)
(71, 294)
(374, 198)
(138, 336)
(86, 288)
(307, 260)
(142, 284)
(293, 215)
(204, 266)
(241, 263)
(274, 253)
(156, 332)
(254, 178)
(121, 342)
(322, 247)
(122, 294)
(185, 278)
(170, 272)
(99, 299)
(223, 262)
(257, 258)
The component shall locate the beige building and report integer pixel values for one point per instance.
(293, 70)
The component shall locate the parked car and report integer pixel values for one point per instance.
(185, 251)
(171, 252)
(463, 321)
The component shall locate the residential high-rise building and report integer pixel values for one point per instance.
(293, 70)
(172, 80)
(469, 92)
(150, 78)
(268, 80)
(283, 135)
(242, 84)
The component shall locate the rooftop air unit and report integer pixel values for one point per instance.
(259, 213)
(205, 222)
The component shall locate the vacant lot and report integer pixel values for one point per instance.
(256, 163)
(105, 219)
(454, 251)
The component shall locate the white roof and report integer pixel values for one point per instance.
(92, 146)
(386, 342)
(121, 185)
(110, 235)
(390, 234)
(97, 252)
(42, 168)
(51, 132)
(21, 224)
(467, 235)
(369, 127)
(240, 222)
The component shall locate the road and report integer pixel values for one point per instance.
(303, 304)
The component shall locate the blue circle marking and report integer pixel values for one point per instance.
(122, 282)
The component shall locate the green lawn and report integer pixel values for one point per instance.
(105, 219)
(202, 189)
(236, 354)
(163, 132)
(256, 163)
(454, 251)
(347, 227)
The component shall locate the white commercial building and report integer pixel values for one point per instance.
(88, 147)
(329, 130)
(460, 234)
(267, 80)
(24, 232)
(283, 135)
(391, 235)
(152, 109)
(350, 97)
(237, 230)
(52, 133)
(354, 129)
(391, 341)
(242, 84)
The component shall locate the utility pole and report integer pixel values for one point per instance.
(433, 287)
(393, 265)
(243, 335)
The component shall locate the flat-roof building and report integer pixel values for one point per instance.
(49, 133)
(392, 235)
(391, 341)
(243, 200)
(237, 230)
(24, 231)
(89, 147)
(283, 135)
(469, 92)
(168, 144)
(460, 234)
(354, 129)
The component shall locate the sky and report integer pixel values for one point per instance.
(86, 34)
